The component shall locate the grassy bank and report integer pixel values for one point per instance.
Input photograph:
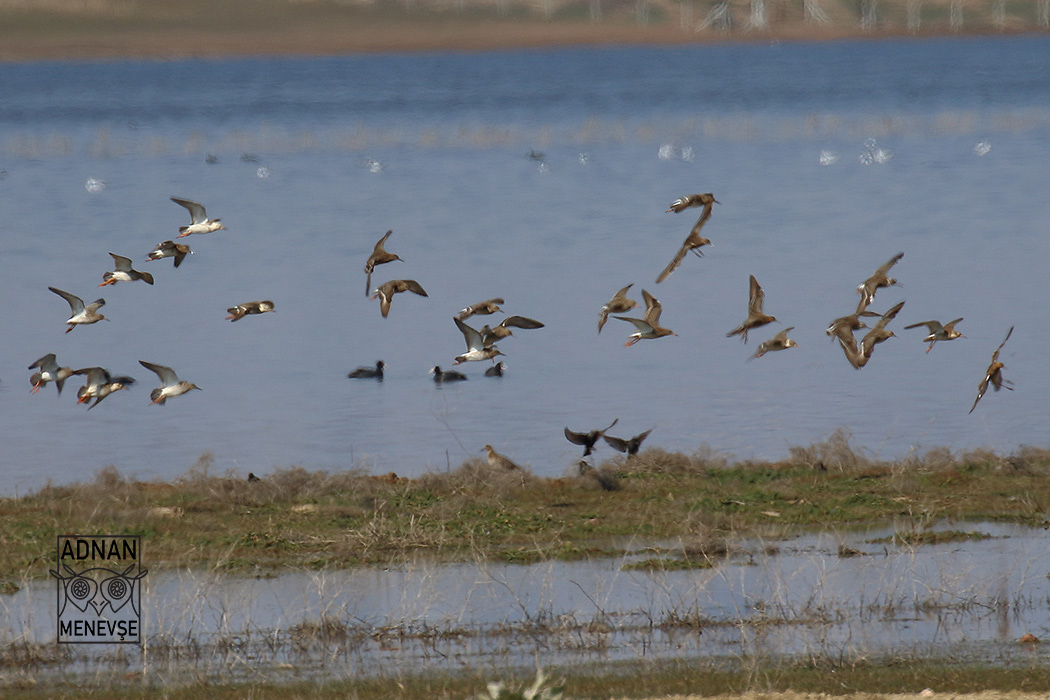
(299, 518)
(898, 679)
(70, 29)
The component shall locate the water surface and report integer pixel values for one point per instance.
(316, 158)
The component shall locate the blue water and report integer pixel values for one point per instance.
(316, 157)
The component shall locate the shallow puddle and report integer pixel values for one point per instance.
(825, 597)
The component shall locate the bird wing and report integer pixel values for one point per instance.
(166, 374)
(197, 213)
(931, 326)
(673, 265)
(653, 309)
(951, 324)
(640, 438)
(521, 322)
(616, 443)
(887, 317)
(47, 363)
(885, 267)
(411, 286)
(576, 438)
(755, 297)
(995, 355)
(641, 324)
(120, 263)
(96, 376)
(76, 304)
(470, 335)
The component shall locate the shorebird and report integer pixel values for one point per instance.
(587, 439)
(502, 329)
(498, 461)
(81, 315)
(49, 372)
(484, 308)
(251, 308)
(199, 221)
(692, 200)
(477, 349)
(449, 375)
(694, 240)
(877, 281)
(170, 384)
(369, 372)
(386, 291)
(938, 332)
(859, 356)
(619, 304)
(100, 385)
(379, 256)
(843, 326)
(170, 249)
(630, 446)
(122, 272)
(879, 334)
(496, 370)
(778, 342)
(994, 374)
(755, 317)
(649, 325)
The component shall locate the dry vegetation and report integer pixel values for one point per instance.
(300, 518)
(39, 29)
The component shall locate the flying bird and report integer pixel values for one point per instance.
(477, 349)
(502, 329)
(484, 308)
(122, 272)
(648, 326)
(877, 281)
(994, 374)
(386, 291)
(587, 439)
(630, 446)
(99, 385)
(694, 240)
(170, 249)
(379, 256)
(755, 317)
(938, 332)
(81, 315)
(251, 308)
(778, 342)
(619, 304)
(199, 221)
(49, 372)
(170, 386)
(369, 372)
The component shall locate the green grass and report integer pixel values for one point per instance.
(299, 518)
(621, 680)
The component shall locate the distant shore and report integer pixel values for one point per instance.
(30, 38)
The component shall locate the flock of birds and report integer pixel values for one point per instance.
(481, 344)
(99, 382)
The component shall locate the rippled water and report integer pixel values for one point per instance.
(316, 158)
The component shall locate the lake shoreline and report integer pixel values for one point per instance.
(148, 42)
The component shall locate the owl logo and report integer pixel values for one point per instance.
(100, 588)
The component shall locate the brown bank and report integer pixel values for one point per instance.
(113, 29)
